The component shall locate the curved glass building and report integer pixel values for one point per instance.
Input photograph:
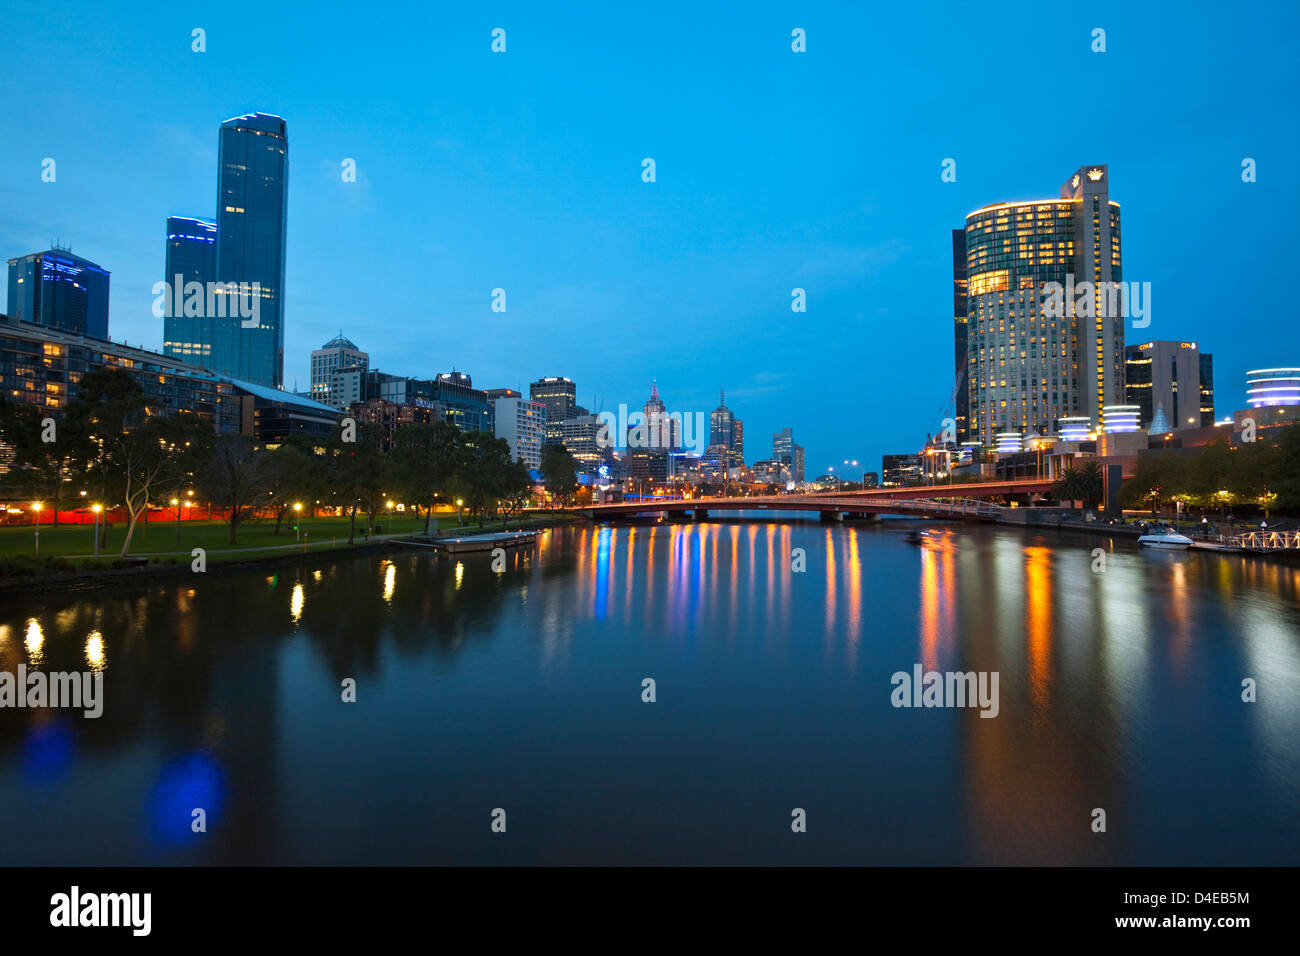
(1026, 367)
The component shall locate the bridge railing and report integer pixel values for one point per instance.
(1267, 540)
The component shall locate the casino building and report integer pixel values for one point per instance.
(1026, 369)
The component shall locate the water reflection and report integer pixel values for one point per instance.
(1118, 689)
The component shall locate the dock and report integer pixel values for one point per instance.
(479, 542)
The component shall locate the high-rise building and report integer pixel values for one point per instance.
(191, 258)
(785, 451)
(726, 435)
(1163, 379)
(560, 396)
(582, 439)
(252, 212)
(338, 353)
(60, 291)
(662, 431)
(523, 426)
(1027, 367)
(961, 390)
(241, 254)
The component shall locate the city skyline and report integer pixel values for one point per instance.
(686, 279)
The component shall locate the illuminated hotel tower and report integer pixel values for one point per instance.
(1025, 369)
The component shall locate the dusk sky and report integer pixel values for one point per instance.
(775, 170)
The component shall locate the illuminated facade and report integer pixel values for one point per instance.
(60, 291)
(1026, 369)
(1175, 378)
(338, 353)
(191, 257)
(560, 396)
(1266, 387)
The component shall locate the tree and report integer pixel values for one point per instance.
(486, 472)
(38, 467)
(1286, 482)
(425, 459)
(354, 469)
(293, 475)
(234, 476)
(560, 471)
(153, 459)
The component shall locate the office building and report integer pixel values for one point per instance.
(57, 290)
(522, 424)
(899, 471)
(726, 435)
(190, 262)
(338, 353)
(787, 452)
(451, 394)
(560, 396)
(236, 327)
(1163, 379)
(1027, 367)
(581, 439)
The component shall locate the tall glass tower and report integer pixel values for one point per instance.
(252, 213)
(191, 257)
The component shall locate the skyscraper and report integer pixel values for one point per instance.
(786, 452)
(252, 212)
(338, 353)
(961, 390)
(726, 433)
(560, 396)
(191, 257)
(58, 290)
(1026, 368)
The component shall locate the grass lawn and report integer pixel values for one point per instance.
(255, 539)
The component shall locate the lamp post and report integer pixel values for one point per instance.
(36, 521)
(459, 505)
(176, 506)
(97, 509)
(297, 521)
(390, 517)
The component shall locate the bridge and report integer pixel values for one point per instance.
(1267, 541)
(959, 500)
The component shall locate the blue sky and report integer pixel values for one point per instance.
(775, 170)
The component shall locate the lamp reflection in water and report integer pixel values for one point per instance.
(96, 659)
(34, 641)
(296, 602)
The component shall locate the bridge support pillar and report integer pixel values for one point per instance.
(832, 517)
(700, 514)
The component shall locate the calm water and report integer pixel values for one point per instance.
(522, 690)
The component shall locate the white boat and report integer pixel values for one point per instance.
(1166, 538)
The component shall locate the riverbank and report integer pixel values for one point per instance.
(65, 571)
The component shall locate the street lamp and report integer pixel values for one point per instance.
(459, 504)
(97, 509)
(297, 521)
(36, 520)
(176, 506)
(390, 517)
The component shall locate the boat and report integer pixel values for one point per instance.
(1167, 539)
